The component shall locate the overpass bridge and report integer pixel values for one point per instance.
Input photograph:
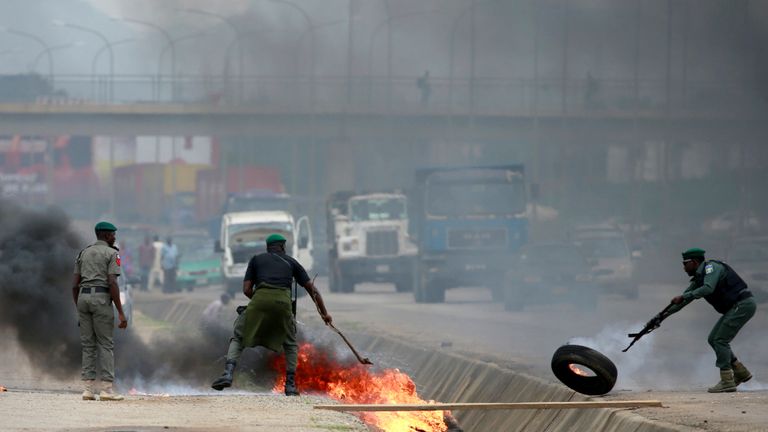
(334, 108)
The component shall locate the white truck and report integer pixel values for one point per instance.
(369, 241)
(244, 234)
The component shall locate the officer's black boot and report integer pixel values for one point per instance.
(290, 384)
(225, 380)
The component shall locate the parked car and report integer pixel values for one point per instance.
(550, 273)
(612, 263)
(126, 284)
(199, 264)
(749, 257)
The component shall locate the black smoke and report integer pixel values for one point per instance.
(37, 255)
(38, 249)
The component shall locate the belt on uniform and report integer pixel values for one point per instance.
(94, 290)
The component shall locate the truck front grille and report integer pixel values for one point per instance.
(484, 238)
(379, 243)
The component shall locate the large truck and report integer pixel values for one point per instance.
(244, 234)
(469, 223)
(369, 240)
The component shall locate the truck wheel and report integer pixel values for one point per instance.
(436, 293)
(348, 285)
(419, 288)
(333, 279)
(433, 292)
(404, 284)
(584, 370)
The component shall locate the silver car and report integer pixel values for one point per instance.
(612, 265)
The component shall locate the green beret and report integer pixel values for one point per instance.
(693, 253)
(104, 226)
(274, 238)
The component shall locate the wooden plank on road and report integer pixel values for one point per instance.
(492, 406)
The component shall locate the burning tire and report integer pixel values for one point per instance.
(584, 370)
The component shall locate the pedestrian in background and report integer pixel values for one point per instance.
(156, 271)
(94, 290)
(169, 260)
(721, 287)
(146, 259)
(212, 313)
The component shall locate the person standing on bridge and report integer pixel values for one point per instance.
(722, 287)
(269, 319)
(94, 290)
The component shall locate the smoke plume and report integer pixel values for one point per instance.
(37, 254)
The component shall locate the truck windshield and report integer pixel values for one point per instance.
(473, 197)
(247, 240)
(377, 209)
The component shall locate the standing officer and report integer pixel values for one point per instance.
(722, 287)
(94, 289)
(268, 320)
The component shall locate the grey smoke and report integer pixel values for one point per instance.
(37, 253)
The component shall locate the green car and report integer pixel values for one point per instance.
(199, 265)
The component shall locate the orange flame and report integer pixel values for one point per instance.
(577, 370)
(354, 383)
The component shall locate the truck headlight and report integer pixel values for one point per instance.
(351, 245)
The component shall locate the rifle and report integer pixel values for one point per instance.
(650, 326)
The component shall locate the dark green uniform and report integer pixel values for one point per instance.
(94, 309)
(722, 287)
(268, 320)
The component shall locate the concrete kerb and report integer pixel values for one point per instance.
(449, 377)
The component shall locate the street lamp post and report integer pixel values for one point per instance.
(45, 52)
(237, 35)
(101, 50)
(41, 42)
(171, 44)
(471, 10)
(388, 24)
(311, 29)
(104, 39)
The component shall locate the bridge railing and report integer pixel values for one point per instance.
(482, 96)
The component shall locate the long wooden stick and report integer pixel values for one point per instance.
(492, 406)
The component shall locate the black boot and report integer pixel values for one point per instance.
(290, 384)
(225, 380)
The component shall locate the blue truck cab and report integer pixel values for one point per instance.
(469, 223)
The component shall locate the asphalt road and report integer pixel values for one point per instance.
(673, 364)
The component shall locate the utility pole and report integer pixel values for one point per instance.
(350, 49)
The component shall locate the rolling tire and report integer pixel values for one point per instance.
(601, 366)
